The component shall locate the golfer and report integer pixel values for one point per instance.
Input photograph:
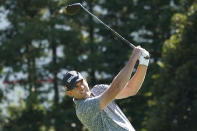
(96, 108)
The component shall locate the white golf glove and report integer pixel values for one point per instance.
(144, 58)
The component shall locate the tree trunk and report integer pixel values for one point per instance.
(55, 85)
(29, 69)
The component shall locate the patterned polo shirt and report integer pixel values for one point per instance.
(110, 119)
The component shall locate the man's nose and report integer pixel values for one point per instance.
(82, 86)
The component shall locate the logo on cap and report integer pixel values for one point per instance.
(70, 79)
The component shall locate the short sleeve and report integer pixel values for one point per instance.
(88, 107)
(99, 89)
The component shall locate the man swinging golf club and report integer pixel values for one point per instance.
(96, 108)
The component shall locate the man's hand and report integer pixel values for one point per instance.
(144, 57)
(136, 53)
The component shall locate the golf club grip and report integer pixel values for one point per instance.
(118, 35)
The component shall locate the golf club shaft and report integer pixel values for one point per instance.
(118, 35)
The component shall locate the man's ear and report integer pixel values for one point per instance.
(69, 93)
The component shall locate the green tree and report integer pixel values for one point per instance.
(20, 48)
(174, 90)
(36, 29)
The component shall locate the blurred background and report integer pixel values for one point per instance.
(38, 45)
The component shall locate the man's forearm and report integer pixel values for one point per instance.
(136, 81)
(124, 75)
(118, 83)
(134, 84)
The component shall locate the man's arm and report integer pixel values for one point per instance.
(136, 81)
(120, 81)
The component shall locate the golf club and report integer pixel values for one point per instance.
(75, 8)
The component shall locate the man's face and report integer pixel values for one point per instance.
(80, 91)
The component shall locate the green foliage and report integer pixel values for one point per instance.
(175, 87)
(30, 119)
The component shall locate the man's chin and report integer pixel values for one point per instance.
(87, 94)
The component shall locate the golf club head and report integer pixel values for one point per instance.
(71, 9)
